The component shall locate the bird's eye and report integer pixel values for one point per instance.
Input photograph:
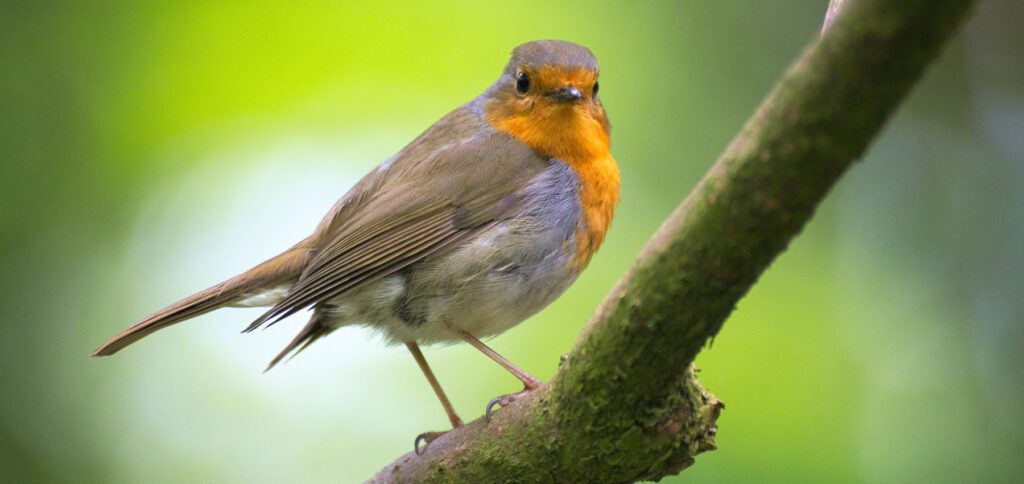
(596, 87)
(522, 83)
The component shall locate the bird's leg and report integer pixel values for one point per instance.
(428, 437)
(529, 382)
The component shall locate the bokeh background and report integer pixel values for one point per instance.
(151, 149)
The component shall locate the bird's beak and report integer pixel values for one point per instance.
(566, 94)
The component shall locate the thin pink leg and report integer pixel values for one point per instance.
(428, 437)
(529, 382)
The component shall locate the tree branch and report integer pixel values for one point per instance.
(624, 404)
(834, 6)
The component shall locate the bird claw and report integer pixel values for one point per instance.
(503, 401)
(426, 438)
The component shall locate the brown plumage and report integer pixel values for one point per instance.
(479, 222)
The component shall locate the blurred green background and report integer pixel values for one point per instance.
(154, 149)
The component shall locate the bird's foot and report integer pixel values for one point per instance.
(503, 400)
(426, 438)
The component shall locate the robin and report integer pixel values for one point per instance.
(483, 220)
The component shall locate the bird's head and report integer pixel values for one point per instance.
(547, 97)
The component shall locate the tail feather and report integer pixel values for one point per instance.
(279, 270)
(313, 331)
(190, 307)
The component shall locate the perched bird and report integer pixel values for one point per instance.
(483, 220)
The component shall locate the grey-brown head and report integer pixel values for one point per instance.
(562, 71)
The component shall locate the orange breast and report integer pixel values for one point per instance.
(598, 195)
(581, 140)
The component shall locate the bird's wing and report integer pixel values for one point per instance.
(419, 206)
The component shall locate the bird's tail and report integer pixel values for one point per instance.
(277, 271)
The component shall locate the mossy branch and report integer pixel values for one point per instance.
(624, 405)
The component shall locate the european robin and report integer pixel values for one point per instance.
(480, 222)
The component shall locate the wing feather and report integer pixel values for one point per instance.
(397, 220)
(357, 260)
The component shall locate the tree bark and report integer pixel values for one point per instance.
(624, 405)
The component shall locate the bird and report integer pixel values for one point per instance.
(481, 221)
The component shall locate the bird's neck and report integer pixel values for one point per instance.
(581, 140)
